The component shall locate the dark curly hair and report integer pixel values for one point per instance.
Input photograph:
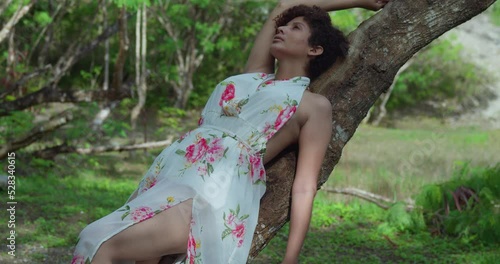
(323, 33)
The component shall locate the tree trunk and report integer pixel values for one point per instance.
(140, 65)
(379, 47)
(122, 53)
(106, 107)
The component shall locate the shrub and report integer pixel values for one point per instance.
(468, 206)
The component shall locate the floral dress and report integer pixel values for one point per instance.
(219, 165)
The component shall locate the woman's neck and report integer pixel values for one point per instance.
(289, 69)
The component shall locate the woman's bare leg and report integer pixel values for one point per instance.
(164, 234)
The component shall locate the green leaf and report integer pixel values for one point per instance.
(125, 215)
(226, 233)
(244, 217)
(42, 18)
(180, 152)
(10, 98)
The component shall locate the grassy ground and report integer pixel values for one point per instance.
(55, 201)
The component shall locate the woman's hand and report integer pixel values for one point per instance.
(373, 5)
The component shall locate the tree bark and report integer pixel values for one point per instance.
(379, 47)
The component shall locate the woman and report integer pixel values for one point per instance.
(201, 195)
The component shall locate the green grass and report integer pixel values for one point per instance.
(397, 162)
(57, 199)
(358, 234)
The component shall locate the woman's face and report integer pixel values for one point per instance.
(291, 40)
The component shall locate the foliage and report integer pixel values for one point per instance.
(16, 124)
(470, 217)
(348, 20)
(495, 13)
(438, 73)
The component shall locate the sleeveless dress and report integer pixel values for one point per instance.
(219, 165)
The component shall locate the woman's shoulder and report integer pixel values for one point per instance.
(313, 103)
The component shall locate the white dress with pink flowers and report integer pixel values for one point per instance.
(219, 165)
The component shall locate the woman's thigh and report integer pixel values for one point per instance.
(164, 234)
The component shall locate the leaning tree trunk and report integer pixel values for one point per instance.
(379, 47)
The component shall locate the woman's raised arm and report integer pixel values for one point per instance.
(261, 60)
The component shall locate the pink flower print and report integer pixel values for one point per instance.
(228, 94)
(266, 83)
(263, 75)
(192, 246)
(184, 136)
(148, 183)
(240, 243)
(141, 213)
(200, 121)
(202, 170)
(241, 159)
(262, 174)
(239, 231)
(196, 151)
(283, 116)
(230, 219)
(215, 150)
(268, 131)
(255, 165)
(165, 207)
(78, 259)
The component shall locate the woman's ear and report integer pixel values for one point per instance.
(315, 51)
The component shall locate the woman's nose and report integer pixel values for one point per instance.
(280, 30)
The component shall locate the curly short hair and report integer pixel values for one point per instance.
(323, 33)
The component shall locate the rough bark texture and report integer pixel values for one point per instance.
(379, 47)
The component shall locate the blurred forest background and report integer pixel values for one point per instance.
(91, 91)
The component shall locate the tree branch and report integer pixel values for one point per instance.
(26, 77)
(380, 201)
(51, 94)
(36, 133)
(21, 11)
(49, 153)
